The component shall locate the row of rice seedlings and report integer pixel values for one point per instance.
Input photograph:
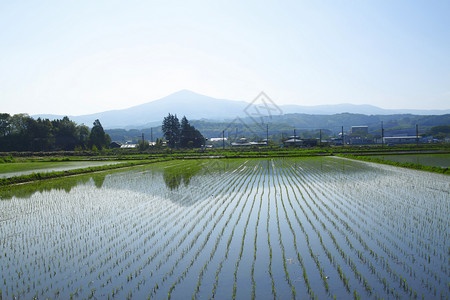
(90, 251)
(137, 273)
(24, 251)
(421, 212)
(283, 252)
(253, 294)
(258, 175)
(319, 203)
(200, 249)
(401, 230)
(423, 248)
(199, 216)
(308, 244)
(206, 206)
(26, 246)
(361, 257)
(127, 256)
(145, 233)
(359, 254)
(347, 259)
(299, 257)
(152, 256)
(289, 171)
(274, 293)
(377, 274)
(220, 235)
(423, 257)
(218, 216)
(179, 279)
(185, 217)
(405, 267)
(219, 268)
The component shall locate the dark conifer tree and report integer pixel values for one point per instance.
(171, 130)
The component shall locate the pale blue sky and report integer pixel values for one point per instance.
(78, 57)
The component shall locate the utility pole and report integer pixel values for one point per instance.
(223, 139)
(343, 140)
(320, 137)
(382, 135)
(151, 135)
(417, 135)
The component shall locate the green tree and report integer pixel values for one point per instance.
(19, 124)
(189, 136)
(171, 130)
(40, 134)
(98, 137)
(186, 133)
(83, 134)
(158, 143)
(19, 135)
(5, 124)
(144, 145)
(64, 131)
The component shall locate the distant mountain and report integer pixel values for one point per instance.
(358, 109)
(184, 102)
(197, 107)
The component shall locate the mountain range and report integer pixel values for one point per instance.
(200, 107)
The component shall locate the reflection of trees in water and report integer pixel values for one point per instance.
(63, 184)
(174, 176)
(99, 179)
(172, 179)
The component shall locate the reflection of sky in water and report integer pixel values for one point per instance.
(177, 181)
(61, 166)
(185, 182)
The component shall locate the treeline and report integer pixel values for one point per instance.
(20, 132)
(440, 132)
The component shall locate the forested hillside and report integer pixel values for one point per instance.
(305, 125)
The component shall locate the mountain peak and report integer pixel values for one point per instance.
(184, 94)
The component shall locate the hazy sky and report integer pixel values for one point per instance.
(79, 57)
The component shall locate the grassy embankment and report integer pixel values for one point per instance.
(398, 164)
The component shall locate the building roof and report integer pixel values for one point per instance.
(217, 139)
(294, 141)
(129, 146)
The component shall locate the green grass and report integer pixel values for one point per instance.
(398, 164)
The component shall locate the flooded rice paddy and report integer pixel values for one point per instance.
(45, 167)
(248, 229)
